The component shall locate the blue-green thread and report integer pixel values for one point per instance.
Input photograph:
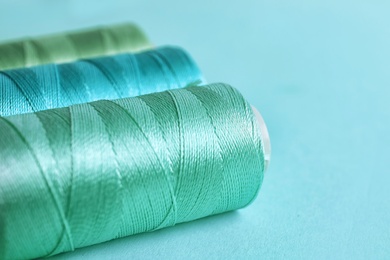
(60, 85)
(89, 173)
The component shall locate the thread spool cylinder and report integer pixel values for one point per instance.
(93, 172)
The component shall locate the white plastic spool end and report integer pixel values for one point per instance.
(265, 137)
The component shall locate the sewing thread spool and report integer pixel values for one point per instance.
(72, 46)
(59, 85)
(81, 175)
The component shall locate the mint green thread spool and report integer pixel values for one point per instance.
(72, 46)
(89, 173)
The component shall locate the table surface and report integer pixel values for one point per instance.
(318, 71)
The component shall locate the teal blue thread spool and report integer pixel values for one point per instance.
(59, 85)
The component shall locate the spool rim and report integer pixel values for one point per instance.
(265, 137)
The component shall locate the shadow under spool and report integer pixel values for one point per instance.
(85, 174)
(66, 47)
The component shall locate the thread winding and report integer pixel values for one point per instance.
(49, 86)
(72, 46)
(132, 165)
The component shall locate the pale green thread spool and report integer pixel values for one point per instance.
(72, 46)
(77, 176)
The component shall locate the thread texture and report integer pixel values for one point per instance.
(72, 46)
(60, 85)
(76, 176)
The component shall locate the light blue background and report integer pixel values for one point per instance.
(318, 71)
